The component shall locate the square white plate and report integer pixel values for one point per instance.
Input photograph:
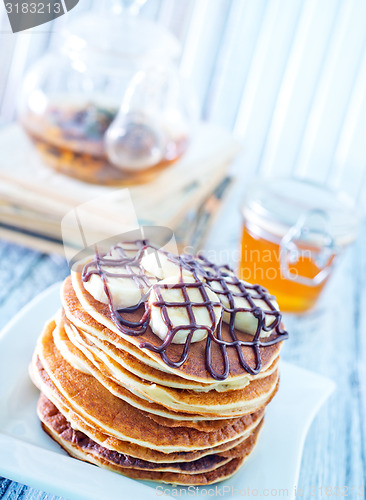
(29, 456)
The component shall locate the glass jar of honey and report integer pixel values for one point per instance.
(293, 234)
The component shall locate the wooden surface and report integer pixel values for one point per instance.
(331, 341)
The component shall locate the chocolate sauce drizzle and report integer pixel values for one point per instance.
(220, 279)
(191, 327)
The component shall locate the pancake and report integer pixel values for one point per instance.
(41, 379)
(126, 447)
(127, 358)
(55, 421)
(94, 403)
(193, 369)
(44, 407)
(206, 470)
(217, 475)
(112, 375)
(157, 375)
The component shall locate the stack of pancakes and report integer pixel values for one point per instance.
(108, 400)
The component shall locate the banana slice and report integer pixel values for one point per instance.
(178, 315)
(245, 321)
(127, 284)
(158, 264)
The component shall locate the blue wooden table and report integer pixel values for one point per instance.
(331, 341)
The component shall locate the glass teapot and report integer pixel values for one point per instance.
(109, 106)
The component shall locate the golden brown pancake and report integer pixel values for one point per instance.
(41, 379)
(132, 449)
(118, 380)
(127, 358)
(94, 403)
(214, 476)
(205, 470)
(56, 421)
(92, 314)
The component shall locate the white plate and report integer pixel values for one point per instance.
(29, 456)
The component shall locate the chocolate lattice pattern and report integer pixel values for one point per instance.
(190, 306)
(219, 279)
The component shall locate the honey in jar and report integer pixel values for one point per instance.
(293, 233)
